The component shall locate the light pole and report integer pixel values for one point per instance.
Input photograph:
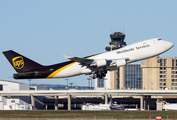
(71, 85)
(91, 78)
(29, 83)
(89, 82)
(67, 83)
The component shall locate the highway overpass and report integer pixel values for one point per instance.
(145, 95)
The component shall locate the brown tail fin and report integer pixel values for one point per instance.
(20, 63)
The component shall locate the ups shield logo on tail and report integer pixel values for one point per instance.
(18, 62)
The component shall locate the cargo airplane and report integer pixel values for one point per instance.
(97, 64)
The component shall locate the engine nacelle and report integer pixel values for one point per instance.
(118, 63)
(99, 63)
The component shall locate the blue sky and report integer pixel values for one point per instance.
(44, 30)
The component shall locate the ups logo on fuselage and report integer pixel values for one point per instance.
(18, 62)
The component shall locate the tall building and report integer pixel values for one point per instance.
(133, 76)
(159, 75)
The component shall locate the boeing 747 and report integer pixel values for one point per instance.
(97, 64)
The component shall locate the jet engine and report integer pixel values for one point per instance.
(118, 63)
(99, 63)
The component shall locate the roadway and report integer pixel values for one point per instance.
(145, 95)
(88, 92)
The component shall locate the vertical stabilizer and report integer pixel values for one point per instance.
(19, 62)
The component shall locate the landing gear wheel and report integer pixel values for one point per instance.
(103, 74)
(101, 77)
(94, 76)
(98, 75)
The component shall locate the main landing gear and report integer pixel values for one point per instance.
(99, 74)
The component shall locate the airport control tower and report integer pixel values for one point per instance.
(117, 78)
(117, 41)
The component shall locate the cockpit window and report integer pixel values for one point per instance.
(159, 39)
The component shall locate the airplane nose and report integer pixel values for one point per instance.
(168, 45)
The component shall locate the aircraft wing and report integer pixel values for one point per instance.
(82, 61)
(93, 63)
(89, 63)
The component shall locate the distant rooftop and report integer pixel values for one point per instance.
(12, 81)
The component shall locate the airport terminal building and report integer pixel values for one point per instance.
(10, 102)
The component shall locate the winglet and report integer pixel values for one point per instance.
(67, 56)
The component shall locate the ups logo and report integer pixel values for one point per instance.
(18, 62)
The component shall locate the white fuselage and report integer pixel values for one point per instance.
(132, 53)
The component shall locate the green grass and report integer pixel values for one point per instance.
(88, 114)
